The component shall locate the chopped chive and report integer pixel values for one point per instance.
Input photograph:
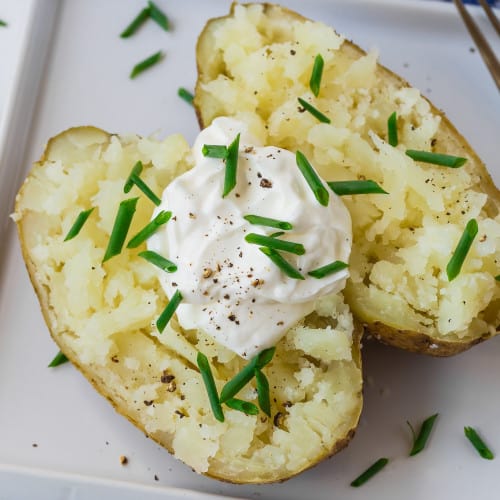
(370, 472)
(162, 218)
(315, 112)
(158, 261)
(333, 267)
(186, 95)
(59, 359)
(136, 23)
(277, 234)
(343, 188)
(136, 172)
(244, 406)
(214, 151)
(316, 74)
(267, 221)
(231, 166)
(436, 158)
(392, 129)
(78, 224)
(263, 392)
(463, 247)
(169, 311)
(420, 441)
(3, 23)
(497, 277)
(478, 443)
(208, 379)
(267, 241)
(134, 178)
(157, 15)
(145, 64)
(279, 261)
(121, 226)
(312, 178)
(246, 374)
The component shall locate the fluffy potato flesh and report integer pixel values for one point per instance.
(256, 62)
(103, 318)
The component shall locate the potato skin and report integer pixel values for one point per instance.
(447, 134)
(97, 374)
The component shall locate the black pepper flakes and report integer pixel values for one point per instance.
(266, 183)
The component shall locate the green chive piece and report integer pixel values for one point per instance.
(134, 179)
(463, 247)
(420, 441)
(267, 221)
(136, 23)
(121, 226)
(231, 166)
(215, 151)
(497, 277)
(392, 129)
(208, 379)
(436, 158)
(263, 392)
(370, 472)
(277, 234)
(478, 443)
(59, 359)
(267, 241)
(317, 73)
(136, 172)
(284, 265)
(312, 178)
(246, 374)
(343, 188)
(244, 406)
(169, 311)
(146, 63)
(333, 267)
(315, 112)
(3, 23)
(159, 261)
(186, 95)
(78, 224)
(162, 218)
(157, 15)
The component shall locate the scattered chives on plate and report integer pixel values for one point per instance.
(59, 359)
(146, 64)
(370, 472)
(420, 440)
(185, 95)
(478, 443)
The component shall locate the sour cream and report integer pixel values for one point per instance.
(230, 289)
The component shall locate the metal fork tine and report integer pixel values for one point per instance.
(491, 15)
(486, 51)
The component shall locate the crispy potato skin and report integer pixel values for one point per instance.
(410, 340)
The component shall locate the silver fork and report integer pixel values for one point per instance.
(484, 47)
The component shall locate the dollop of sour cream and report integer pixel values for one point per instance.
(230, 289)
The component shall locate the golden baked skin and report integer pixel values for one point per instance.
(102, 316)
(254, 63)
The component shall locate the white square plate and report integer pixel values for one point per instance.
(78, 436)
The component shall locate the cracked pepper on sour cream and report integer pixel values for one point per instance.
(230, 289)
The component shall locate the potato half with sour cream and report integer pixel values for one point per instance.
(102, 316)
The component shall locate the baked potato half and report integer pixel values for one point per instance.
(102, 316)
(256, 62)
